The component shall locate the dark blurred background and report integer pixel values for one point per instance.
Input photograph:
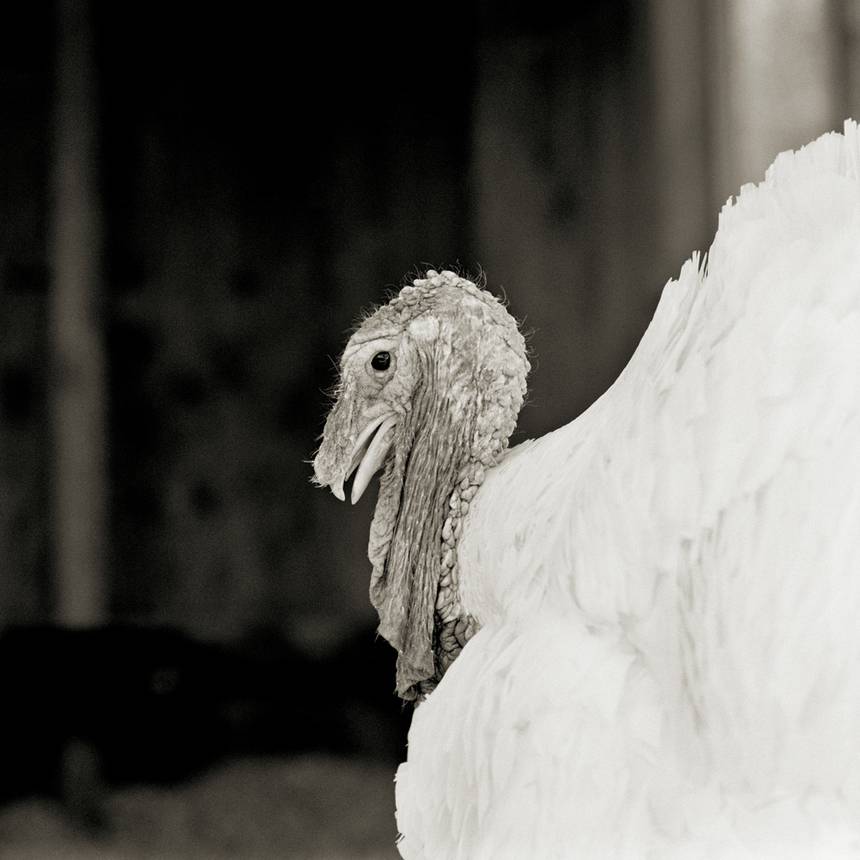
(197, 201)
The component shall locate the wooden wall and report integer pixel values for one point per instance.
(262, 182)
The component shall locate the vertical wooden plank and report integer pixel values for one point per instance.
(563, 209)
(535, 199)
(78, 384)
(685, 140)
(735, 83)
(844, 20)
(781, 85)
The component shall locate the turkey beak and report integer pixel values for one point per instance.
(369, 454)
(335, 463)
(337, 489)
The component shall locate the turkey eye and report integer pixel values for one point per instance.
(381, 361)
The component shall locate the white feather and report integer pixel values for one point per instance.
(669, 587)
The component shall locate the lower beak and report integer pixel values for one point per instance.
(373, 458)
(367, 456)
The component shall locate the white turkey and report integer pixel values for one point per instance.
(638, 636)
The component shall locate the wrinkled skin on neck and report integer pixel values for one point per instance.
(444, 410)
(405, 546)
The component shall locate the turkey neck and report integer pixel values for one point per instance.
(412, 543)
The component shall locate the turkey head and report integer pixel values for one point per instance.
(430, 388)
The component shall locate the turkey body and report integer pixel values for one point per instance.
(668, 588)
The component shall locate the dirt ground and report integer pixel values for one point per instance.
(314, 807)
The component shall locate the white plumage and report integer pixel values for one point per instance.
(668, 588)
